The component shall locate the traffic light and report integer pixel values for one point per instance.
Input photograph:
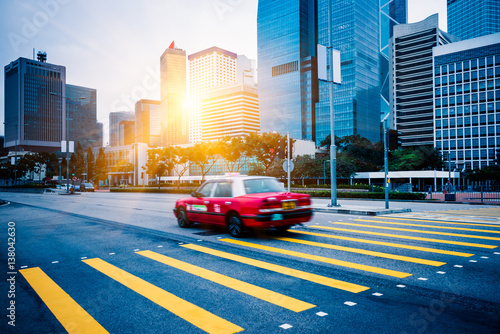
(282, 148)
(394, 141)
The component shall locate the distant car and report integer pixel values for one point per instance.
(86, 186)
(241, 202)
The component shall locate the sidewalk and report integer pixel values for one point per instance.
(367, 208)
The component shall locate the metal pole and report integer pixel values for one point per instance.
(386, 167)
(333, 149)
(288, 158)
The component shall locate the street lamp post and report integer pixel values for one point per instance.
(15, 152)
(67, 137)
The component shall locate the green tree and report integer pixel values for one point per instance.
(77, 162)
(90, 164)
(264, 148)
(160, 162)
(420, 158)
(232, 150)
(180, 159)
(204, 155)
(101, 166)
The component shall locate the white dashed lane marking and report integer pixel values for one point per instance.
(321, 314)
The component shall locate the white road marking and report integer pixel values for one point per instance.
(160, 246)
(321, 314)
(423, 278)
(484, 257)
(111, 253)
(350, 303)
(458, 266)
(22, 267)
(55, 261)
(496, 253)
(84, 257)
(401, 286)
(472, 261)
(378, 294)
(286, 326)
(441, 272)
(136, 250)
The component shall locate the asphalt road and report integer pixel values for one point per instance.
(118, 263)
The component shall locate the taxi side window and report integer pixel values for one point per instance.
(223, 190)
(207, 189)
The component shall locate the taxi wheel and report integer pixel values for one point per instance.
(182, 218)
(282, 229)
(235, 226)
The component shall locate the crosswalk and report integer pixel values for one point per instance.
(358, 246)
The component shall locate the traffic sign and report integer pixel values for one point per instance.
(74, 178)
(285, 166)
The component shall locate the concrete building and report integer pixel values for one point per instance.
(115, 118)
(231, 110)
(469, 19)
(174, 113)
(467, 101)
(208, 69)
(35, 107)
(148, 122)
(411, 90)
(126, 164)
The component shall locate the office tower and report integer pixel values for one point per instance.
(392, 12)
(467, 112)
(473, 18)
(82, 112)
(245, 70)
(230, 110)
(115, 118)
(126, 133)
(174, 114)
(148, 122)
(286, 44)
(208, 69)
(412, 89)
(100, 134)
(34, 105)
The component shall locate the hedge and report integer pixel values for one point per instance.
(152, 190)
(369, 195)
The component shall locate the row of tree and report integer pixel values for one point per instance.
(79, 165)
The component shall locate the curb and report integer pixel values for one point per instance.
(361, 212)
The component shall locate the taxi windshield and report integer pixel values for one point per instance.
(264, 185)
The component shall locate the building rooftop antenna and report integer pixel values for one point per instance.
(41, 56)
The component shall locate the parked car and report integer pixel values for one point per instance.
(242, 202)
(86, 186)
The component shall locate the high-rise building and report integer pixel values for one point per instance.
(34, 105)
(467, 101)
(148, 122)
(473, 18)
(126, 133)
(231, 110)
(174, 112)
(115, 118)
(82, 113)
(412, 90)
(291, 99)
(392, 12)
(286, 46)
(208, 69)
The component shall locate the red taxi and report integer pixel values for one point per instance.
(241, 202)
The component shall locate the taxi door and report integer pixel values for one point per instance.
(200, 207)
(221, 201)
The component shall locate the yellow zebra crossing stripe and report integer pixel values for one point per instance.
(442, 222)
(337, 284)
(431, 226)
(69, 313)
(442, 241)
(419, 231)
(195, 315)
(321, 259)
(364, 252)
(235, 284)
(389, 244)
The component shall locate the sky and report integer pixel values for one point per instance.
(115, 46)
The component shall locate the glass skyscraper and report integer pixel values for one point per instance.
(469, 19)
(467, 101)
(287, 67)
(291, 99)
(82, 112)
(34, 107)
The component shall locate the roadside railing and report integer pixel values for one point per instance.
(478, 194)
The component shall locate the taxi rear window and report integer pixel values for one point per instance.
(255, 186)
